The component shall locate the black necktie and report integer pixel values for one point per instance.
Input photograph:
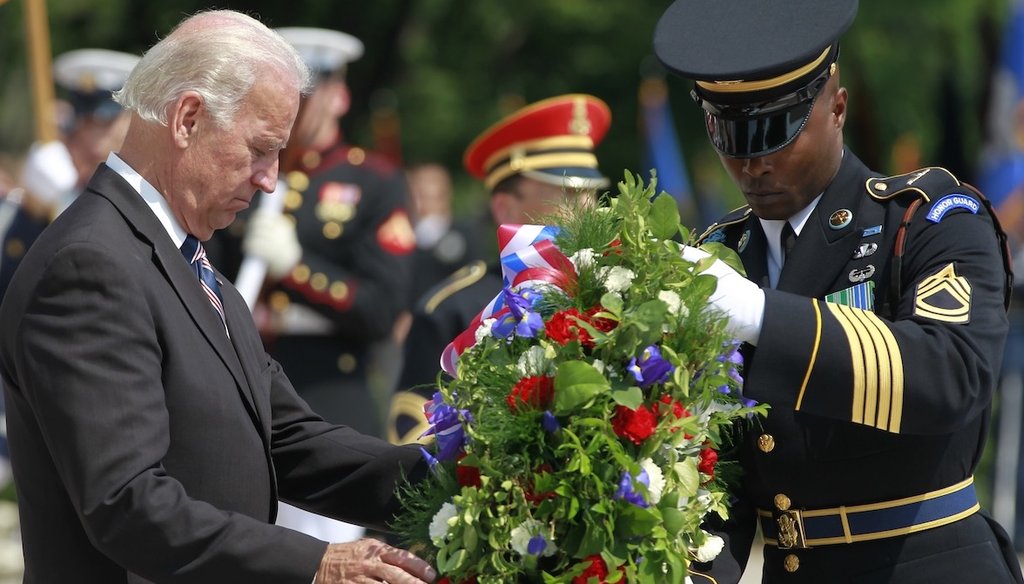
(196, 257)
(788, 240)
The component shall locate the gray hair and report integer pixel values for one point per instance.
(219, 54)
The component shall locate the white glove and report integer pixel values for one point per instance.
(736, 296)
(49, 173)
(271, 237)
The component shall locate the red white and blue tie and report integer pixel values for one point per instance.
(194, 253)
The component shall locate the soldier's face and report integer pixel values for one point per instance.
(780, 184)
(534, 200)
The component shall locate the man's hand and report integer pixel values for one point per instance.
(271, 237)
(738, 297)
(370, 560)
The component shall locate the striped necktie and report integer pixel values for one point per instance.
(196, 257)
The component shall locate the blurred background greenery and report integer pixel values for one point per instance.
(440, 71)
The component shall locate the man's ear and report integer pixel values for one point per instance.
(183, 118)
(839, 107)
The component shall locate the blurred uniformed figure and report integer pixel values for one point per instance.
(873, 312)
(91, 126)
(339, 255)
(338, 258)
(532, 162)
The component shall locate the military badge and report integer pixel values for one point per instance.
(944, 296)
(864, 250)
(395, 234)
(861, 274)
(337, 201)
(717, 236)
(744, 240)
(872, 231)
(840, 218)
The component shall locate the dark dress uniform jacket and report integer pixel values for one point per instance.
(147, 445)
(875, 404)
(349, 207)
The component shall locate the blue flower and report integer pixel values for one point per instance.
(733, 357)
(520, 319)
(650, 368)
(626, 490)
(550, 422)
(537, 545)
(446, 427)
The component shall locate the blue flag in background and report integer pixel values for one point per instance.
(661, 146)
(1001, 176)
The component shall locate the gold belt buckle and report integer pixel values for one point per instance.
(790, 525)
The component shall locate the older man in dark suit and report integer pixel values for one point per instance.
(151, 435)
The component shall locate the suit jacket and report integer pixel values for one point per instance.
(147, 445)
(887, 400)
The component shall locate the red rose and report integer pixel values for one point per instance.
(536, 391)
(634, 425)
(676, 408)
(467, 476)
(597, 569)
(564, 326)
(708, 459)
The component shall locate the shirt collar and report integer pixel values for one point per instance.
(153, 198)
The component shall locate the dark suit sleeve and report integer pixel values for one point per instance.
(931, 369)
(91, 353)
(335, 470)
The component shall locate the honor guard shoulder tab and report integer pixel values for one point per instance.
(716, 233)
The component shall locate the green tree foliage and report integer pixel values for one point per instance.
(917, 70)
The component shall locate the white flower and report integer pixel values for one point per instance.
(584, 258)
(710, 549)
(526, 531)
(532, 362)
(656, 479)
(599, 365)
(674, 303)
(440, 523)
(484, 330)
(616, 278)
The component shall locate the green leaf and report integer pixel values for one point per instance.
(631, 397)
(576, 383)
(689, 476)
(612, 303)
(664, 217)
(635, 521)
(672, 519)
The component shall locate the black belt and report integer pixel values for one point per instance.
(804, 528)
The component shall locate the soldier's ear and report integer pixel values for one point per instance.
(839, 102)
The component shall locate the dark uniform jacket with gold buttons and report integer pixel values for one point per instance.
(349, 207)
(879, 368)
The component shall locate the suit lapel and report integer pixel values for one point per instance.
(754, 251)
(825, 247)
(108, 184)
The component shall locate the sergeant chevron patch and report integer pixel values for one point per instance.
(944, 296)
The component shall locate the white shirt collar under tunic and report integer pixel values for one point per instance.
(773, 229)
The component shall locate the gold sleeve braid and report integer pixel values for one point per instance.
(877, 367)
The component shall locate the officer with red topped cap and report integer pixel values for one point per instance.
(872, 312)
(533, 161)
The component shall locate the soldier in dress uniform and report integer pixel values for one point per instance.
(873, 312)
(532, 161)
(55, 172)
(339, 255)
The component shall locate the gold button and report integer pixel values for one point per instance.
(782, 502)
(766, 442)
(347, 363)
(881, 186)
(791, 563)
(292, 200)
(339, 290)
(278, 301)
(298, 180)
(332, 230)
(319, 282)
(311, 159)
(356, 156)
(301, 273)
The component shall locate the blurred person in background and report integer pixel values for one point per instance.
(338, 259)
(532, 162)
(92, 125)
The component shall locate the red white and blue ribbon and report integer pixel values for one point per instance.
(529, 258)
